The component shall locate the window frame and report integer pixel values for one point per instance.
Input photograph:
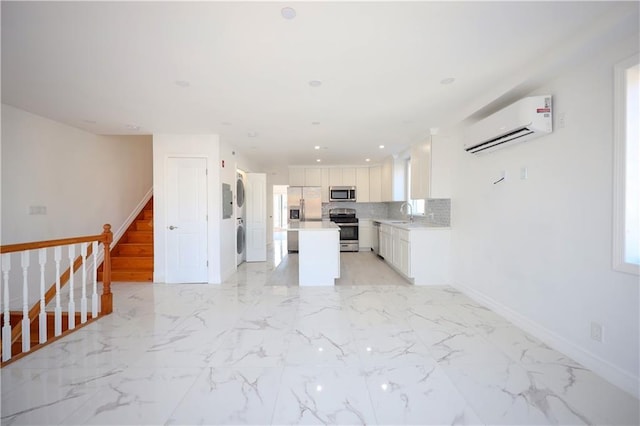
(619, 166)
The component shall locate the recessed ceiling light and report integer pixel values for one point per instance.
(318, 160)
(315, 83)
(182, 83)
(447, 80)
(367, 159)
(252, 134)
(381, 147)
(288, 13)
(316, 147)
(132, 127)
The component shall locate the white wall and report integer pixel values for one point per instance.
(207, 146)
(540, 250)
(84, 180)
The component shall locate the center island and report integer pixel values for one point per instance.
(318, 252)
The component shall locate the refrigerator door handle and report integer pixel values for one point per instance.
(302, 215)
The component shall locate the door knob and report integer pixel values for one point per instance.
(171, 228)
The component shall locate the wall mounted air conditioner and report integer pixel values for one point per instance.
(521, 121)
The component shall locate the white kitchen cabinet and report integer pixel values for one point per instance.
(393, 178)
(296, 176)
(400, 256)
(386, 178)
(421, 170)
(375, 184)
(385, 242)
(348, 176)
(324, 184)
(420, 254)
(313, 176)
(335, 176)
(364, 234)
(362, 185)
(442, 152)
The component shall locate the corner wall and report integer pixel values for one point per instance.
(540, 250)
(83, 180)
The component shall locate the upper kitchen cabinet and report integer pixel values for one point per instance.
(421, 170)
(375, 184)
(335, 176)
(342, 176)
(313, 177)
(349, 176)
(442, 151)
(393, 178)
(324, 187)
(362, 185)
(296, 176)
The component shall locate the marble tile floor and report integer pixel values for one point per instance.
(245, 352)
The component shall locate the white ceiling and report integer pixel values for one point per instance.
(109, 66)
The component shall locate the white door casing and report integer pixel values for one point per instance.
(256, 226)
(186, 250)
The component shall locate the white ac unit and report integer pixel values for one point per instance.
(521, 121)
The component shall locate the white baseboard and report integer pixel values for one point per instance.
(613, 374)
(123, 228)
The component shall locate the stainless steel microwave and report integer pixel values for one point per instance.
(342, 193)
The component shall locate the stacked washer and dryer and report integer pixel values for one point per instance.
(241, 216)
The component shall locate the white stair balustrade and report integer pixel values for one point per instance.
(83, 298)
(57, 255)
(6, 326)
(72, 304)
(94, 295)
(26, 324)
(50, 257)
(42, 316)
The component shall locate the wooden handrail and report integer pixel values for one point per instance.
(106, 298)
(12, 248)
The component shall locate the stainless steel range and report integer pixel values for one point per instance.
(348, 222)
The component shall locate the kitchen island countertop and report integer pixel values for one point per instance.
(317, 225)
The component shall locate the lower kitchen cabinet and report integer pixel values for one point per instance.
(422, 255)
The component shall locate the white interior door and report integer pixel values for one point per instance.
(186, 248)
(256, 227)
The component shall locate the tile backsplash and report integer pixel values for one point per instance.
(437, 211)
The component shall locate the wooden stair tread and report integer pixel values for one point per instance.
(132, 257)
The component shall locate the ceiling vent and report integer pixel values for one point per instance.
(521, 121)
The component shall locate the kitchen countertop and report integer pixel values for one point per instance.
(324, 225)
(405, 224)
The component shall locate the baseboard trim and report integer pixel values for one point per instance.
(613, 374)
(123, 228)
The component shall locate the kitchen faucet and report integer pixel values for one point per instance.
(409, 210)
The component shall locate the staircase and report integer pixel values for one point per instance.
(132, 256)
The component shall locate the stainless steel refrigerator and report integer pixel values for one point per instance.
(304, 204)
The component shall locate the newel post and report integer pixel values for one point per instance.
(106, 299)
